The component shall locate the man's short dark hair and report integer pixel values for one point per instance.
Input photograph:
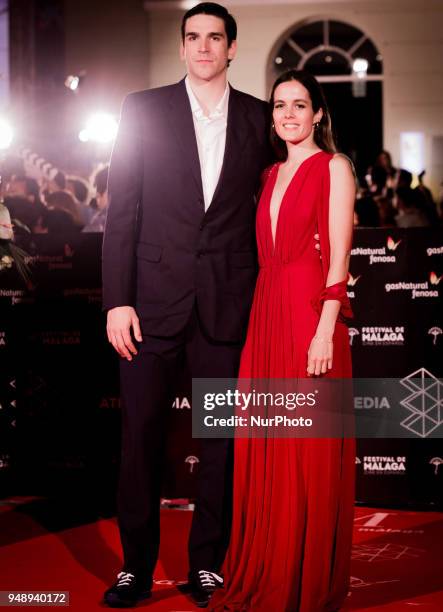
(409, 197)
(216, 10)
(404, 178)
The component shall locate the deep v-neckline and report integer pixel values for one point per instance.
(278, 165)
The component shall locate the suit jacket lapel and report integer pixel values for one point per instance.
(180, 115)
(236, 137)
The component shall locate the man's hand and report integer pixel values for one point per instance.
(118, 328)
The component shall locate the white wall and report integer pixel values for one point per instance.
(407, 33)
(4, 55)
(109, 40)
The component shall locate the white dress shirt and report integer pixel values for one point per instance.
(210, 132)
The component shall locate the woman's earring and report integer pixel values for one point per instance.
(316, 125)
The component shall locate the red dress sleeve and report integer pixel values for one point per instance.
(334, 292)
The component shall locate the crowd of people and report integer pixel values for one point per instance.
(64, 203)
(385, 198)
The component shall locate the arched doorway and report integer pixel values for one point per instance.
(328, 49)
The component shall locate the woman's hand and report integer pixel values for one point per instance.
(320, 355)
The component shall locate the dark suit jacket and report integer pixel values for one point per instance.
(161, 251)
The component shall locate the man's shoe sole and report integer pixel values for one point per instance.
(200, 603)
(199, 598)
(118, 602)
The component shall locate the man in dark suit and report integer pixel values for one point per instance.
(179, 269)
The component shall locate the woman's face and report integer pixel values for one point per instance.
(293, 114)
(384, 161)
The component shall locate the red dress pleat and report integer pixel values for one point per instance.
(290, 545)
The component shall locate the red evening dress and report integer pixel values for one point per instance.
(291, 536)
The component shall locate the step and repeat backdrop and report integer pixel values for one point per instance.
(59, 395)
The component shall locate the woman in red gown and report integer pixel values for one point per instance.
(291, 535)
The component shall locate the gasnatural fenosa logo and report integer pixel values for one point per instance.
(384, 254)
(352, 281)
(391, 244)
(426, 289)
(434, 279)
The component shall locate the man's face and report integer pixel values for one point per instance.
(205, 48)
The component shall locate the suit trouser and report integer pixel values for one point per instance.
(147, 392)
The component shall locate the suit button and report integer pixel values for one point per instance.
(201, 226)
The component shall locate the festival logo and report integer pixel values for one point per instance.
(424, 403)
(436, 462)
(436, 332)
(192, 460)
(384, 465)
(60, 337)
(353, 331)
(383, 336)
(2, 338)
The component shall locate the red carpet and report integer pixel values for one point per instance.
(397, 559)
